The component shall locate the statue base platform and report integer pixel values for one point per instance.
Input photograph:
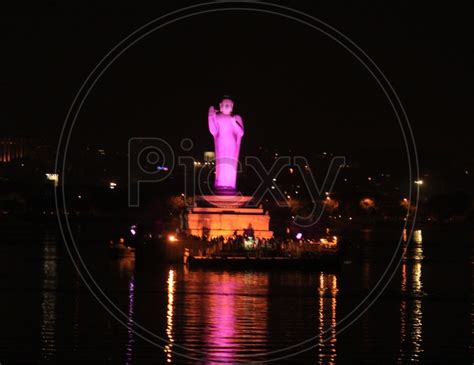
(222, 215)
(226, 191)
(222, 201)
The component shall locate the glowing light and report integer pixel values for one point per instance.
(299, 236)
(367, 203)
(169, 316)
(172, 238)
(417, 236)
(419, 182)
(54, 178)
(112, 185)
(130, 332)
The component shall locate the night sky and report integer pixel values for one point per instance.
(294, 87)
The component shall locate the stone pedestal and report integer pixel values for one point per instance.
(222, 215)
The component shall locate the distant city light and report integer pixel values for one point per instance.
(112, 185)
(172, 238)
(419, 182)
(367, 203)
(54, 178)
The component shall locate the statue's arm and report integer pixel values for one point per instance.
(213, 128)
(240, 125)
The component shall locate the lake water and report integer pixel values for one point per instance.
(195, 316)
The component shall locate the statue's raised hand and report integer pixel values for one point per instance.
(212, 112)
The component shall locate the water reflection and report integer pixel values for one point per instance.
(76, 311)
(130, 335)
(48, 298)
(327, 318)
(226, 314)
(232, 312)
(222, 322)
(169, 315)
(124, 276)
(411, 309)
(418, 236)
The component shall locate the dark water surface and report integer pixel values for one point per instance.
(425, 314)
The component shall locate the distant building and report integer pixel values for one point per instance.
(209, 156)
(12, 149)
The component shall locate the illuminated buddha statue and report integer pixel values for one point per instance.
(227, 130)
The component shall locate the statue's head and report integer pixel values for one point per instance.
(226, 105)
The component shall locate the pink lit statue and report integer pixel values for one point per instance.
(227, 130)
